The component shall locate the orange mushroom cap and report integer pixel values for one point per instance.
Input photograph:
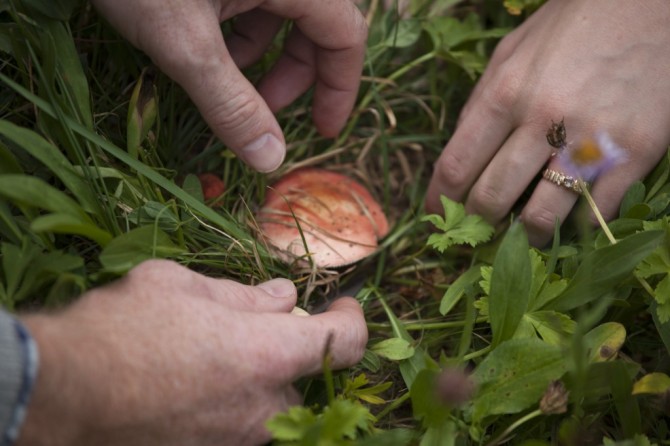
(339, 219)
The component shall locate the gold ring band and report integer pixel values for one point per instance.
(559, 179)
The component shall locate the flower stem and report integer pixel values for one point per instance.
(608, 233)
(503, 436)
(596, 211)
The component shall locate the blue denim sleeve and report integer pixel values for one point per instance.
(18, 370)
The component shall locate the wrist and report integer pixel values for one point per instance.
(62, 406)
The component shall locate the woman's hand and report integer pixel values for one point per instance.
(598, 64)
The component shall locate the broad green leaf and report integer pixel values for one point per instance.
(449, 32)
(409, 367)
(605, 268)
(54, 160)
(35, 192)
(652, 383)
(510, 284)
(426, 405)
(663, 328)
(404, 34)
(69, 224)
(457, 228)
(132, 248)
(457, 289)
(514, 376)
(193, 186)
(75, 95)
(442, 435)
(604, 341)
(395, 349)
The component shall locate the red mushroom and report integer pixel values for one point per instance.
(339, 219)
(212, 187)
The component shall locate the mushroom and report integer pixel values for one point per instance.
(212, 188)
(339, 219)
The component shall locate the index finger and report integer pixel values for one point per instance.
(339, 33)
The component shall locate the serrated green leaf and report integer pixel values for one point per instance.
(291, 425)
(343, 418)
(457, 228)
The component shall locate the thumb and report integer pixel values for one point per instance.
(197, 58)
(235, 112)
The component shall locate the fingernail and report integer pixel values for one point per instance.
(265, 153)
(278, 287)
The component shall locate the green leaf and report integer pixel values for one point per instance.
(652, 383)
(149, 173)
(395, 349)
(554, 328)
(426, 405)
(605, 268)
(510, 284)
(68, 224)
(604, 341)
(457, 227)
(404, 34)
(53, 159)
(156, 213)
(35, 192)
(343, 418)
(132, 248)
(291, 425)
(409, 367)
(515, 375)
(142, 112)
(457, 289)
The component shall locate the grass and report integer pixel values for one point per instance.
(100, 191)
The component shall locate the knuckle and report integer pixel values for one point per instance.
(234, 112)
(155, 271)
(451, 171)
(503, 93)
(539, 220)
(485, 200)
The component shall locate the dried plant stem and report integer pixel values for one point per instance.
(596, 211)
(608, 233)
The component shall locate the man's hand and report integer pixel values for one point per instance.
(166, 356)
(598, 64)
(326, 47)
